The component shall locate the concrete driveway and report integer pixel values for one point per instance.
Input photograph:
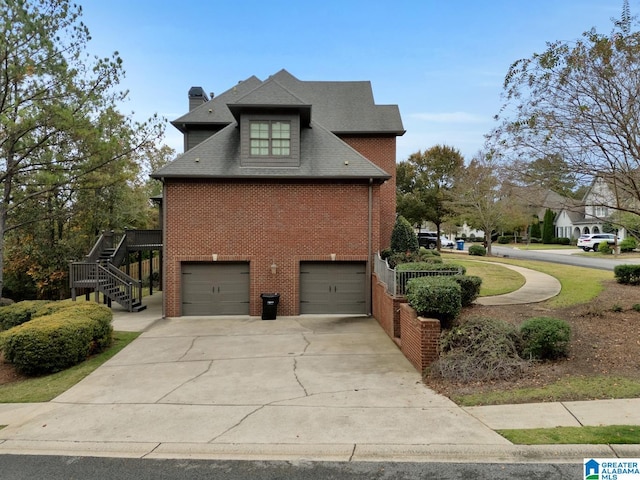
(314, 387)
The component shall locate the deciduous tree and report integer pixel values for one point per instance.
(478, 196)
(59, 122)
(424, 185)
(579, 101)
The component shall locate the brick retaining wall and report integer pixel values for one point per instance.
(418, 338)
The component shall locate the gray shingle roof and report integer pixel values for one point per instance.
(329, 108)
(215, 110)
(322, 156)
(341, 107)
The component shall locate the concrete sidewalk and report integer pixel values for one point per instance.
(296, 388)
(537, 288)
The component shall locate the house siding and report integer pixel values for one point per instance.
(195, 137)
(264, 223)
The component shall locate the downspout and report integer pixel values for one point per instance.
(163, 257)
(369, 248)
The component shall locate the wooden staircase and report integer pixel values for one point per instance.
(99, 271)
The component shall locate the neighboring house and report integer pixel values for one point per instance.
(285, 186)
(575, 218)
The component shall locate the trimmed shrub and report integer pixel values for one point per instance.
(403, 238)
(425, 269)
(469, 288)
(627, 274)
(432, 267)
(477, 250)
(436, 297)
(57, 341)
(627, 245)
(399, 258)
(427, 253)
(545, 338)
(19, 313)
(605, 248)
(480, 349)
(504, 239)
(561, 240)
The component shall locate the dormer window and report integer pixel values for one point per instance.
(270, 138)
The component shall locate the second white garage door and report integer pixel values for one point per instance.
(333, 287)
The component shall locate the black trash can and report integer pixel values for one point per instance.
(269, 305)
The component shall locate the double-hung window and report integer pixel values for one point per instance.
(270, 138)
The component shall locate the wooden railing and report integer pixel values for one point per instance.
(137, 239)
(100, 270)
(108, 280)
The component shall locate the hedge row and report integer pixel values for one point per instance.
(64, 337)
(21, 312)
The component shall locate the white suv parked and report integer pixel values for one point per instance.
(591, 242)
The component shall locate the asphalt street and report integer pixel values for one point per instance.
(566, 257)
(26, 467)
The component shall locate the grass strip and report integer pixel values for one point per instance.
(606, 435)
(567, 389)
(47, 387)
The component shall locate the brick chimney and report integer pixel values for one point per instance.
(197, 97)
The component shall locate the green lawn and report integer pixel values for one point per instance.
(579, 284)
(607, 435)
(576, 388)
(47, 387)
(496, 279)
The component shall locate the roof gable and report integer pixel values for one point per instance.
(271, 94)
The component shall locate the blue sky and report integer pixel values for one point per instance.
(441, 61)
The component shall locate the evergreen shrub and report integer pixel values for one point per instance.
(56, 341)
(403, 237)
(545, 338)
(605, 248)
(477, 250)
(627, 274)
(627, 245)
(469, 288)
(19, 313)
(435, 297)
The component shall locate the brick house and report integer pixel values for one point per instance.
(285, 186)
